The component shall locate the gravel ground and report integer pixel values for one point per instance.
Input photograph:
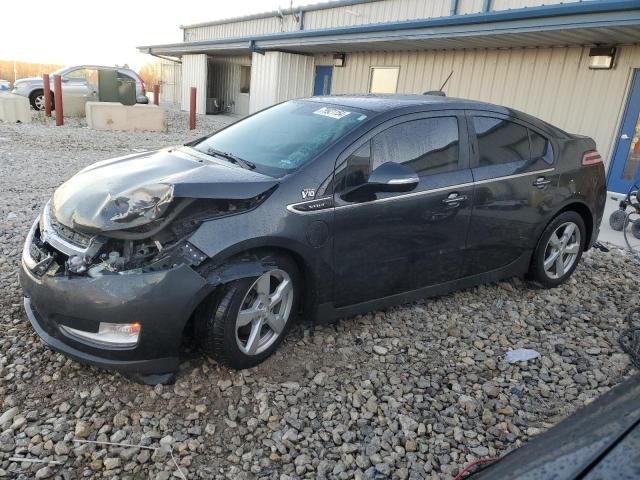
(415, 391)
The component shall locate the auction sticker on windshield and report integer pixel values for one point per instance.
(332, 112)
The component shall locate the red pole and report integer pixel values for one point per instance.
(192, 109)
(47, 95)
(156, 94)
(57, 97)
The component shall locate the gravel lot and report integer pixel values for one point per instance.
(415, 391)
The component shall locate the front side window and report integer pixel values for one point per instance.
(428, 146)
(354, 171)
(384, 79)
(500, 141)
(282, 138)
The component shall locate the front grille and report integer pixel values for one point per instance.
(70, 235)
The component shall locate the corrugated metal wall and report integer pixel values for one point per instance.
(194, 74)
(279, 76)
(359, 14)
(224, 81)
(376, 12)
(246, 28)
(295, 76)
(554, 84)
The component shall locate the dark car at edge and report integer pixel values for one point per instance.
(324, 207)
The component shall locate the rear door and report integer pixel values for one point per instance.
(515, 187)
(397, 242)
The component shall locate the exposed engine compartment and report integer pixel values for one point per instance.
(157, 245)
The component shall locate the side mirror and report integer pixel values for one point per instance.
(388, 177)
(392, 177)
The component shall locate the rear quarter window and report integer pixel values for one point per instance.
(541, 148)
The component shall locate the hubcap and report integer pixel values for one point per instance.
(39, 101)
(562, 250)
(264, 312)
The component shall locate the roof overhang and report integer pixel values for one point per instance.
(583, 23)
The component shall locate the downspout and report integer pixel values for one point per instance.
(454, 7)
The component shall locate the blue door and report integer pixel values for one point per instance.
(322, 85)
(624, 171)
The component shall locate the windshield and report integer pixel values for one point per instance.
(281, 139)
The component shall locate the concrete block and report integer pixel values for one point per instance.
(115, 116)
(14, 108)
(73, 106)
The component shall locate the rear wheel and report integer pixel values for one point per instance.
(246, 320)
(559, 250)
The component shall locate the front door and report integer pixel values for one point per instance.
(389, 243)
(322, 85)
(624, 171)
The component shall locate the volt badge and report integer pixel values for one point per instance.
(308, 193)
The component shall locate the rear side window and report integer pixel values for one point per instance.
(428, 146)
(540, 148)
(500, 141)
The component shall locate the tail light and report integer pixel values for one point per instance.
(591, 157)
(144, 87)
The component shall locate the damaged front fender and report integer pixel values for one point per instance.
(246, 266)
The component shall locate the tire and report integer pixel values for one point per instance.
(218, 319)
(568, 249)
(617, 220)
(36, 99)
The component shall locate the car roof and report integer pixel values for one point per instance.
(388, 102)
(102, 67)
(400, 103)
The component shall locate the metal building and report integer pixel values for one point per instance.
(576, 65)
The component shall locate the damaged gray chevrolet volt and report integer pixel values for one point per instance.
(329, 207)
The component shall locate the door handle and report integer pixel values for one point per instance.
(541, 182)
(454, 199)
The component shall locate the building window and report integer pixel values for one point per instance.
(384, 79)
(245, 78)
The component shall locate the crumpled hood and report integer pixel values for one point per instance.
(102, 196)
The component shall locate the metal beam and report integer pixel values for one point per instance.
(486, 5)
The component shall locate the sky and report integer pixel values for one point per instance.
(71, 33)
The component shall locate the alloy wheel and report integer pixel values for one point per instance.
(562, 250)
(264, 312)
(39, 102)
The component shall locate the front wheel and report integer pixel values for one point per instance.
(246, 320)
(559, 250)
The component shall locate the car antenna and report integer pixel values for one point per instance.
(439, 92)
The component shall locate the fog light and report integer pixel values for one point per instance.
(109, 334)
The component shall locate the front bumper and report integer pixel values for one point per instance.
(160, 301)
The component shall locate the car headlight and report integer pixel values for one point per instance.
(21, 86)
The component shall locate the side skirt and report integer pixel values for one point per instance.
(327, 313)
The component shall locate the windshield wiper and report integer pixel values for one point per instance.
(233, 158)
